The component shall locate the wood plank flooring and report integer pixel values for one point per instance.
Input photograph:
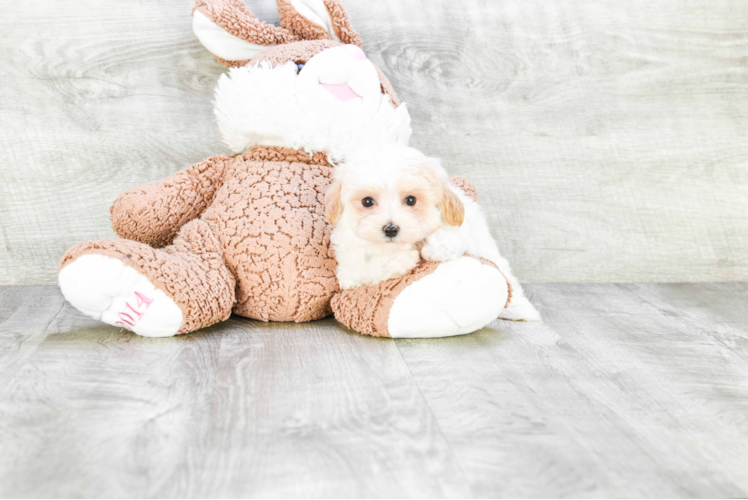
(623, 390)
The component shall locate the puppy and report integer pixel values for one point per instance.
(383, 205)
(392, 206)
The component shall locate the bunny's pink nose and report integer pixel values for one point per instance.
(341, 91)
(355, 52)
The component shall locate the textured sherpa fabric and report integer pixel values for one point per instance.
(366, 309)
(251, 236)
(264, 238)
(234, 17)
(341, 23)
(260, 245)
(298, 24)
(270, 216)
(467, 187)
(153, 213)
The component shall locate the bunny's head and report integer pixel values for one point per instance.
(305, 84)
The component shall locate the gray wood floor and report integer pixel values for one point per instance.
(625, 390)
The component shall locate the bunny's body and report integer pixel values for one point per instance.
(247, 233)
(261, 238)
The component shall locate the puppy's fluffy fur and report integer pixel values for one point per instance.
(441, 225)
(387, 179)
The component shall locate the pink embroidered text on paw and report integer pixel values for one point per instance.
(132, 315)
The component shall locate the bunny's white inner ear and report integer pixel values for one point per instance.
(316, 12)
(223, 44)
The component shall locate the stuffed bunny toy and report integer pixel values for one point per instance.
(247, 233)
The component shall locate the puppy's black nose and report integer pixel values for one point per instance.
(390, 231)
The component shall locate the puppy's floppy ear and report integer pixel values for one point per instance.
(452, 209)
(333, 202)
(449, 204)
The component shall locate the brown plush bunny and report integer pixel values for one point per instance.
(247, 233)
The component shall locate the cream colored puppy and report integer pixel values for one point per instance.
(383, 205)
(392, 206)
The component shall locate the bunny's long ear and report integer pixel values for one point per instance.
(317, 20)
(232, 33)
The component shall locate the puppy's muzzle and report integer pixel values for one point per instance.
(390, 230)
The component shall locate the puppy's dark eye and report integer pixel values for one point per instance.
(368, 202)
(410, 200)
(299, 67)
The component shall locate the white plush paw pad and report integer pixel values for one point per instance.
(460, 297)
(105, 289)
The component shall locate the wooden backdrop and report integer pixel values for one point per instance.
(609, 140)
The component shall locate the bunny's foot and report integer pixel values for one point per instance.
(156, 294)
(107, 290)
(434, 300)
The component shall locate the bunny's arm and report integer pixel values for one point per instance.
(154, 212)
